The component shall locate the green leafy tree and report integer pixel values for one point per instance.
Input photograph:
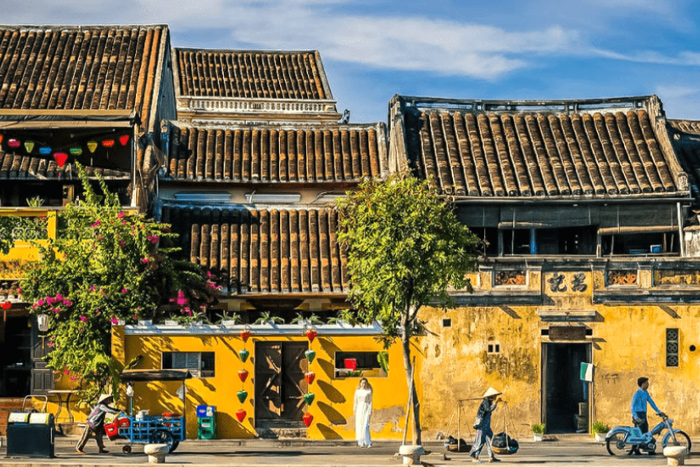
(106, 266)
(405, 247)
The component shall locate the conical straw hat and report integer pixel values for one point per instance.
(491, 392)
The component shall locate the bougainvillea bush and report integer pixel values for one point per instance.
(106, 266)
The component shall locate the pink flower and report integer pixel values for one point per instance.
(136, 316)
(49, 300)
(121, 215)
(66, 371)
(181, 300)
(58, 297)
(83, 318)
(122, 243)
(40, 302)
(92, 289)
(124, 222)
(73, 378)
(114, 321)
(67, 302)
(50, 344)
(97, 311)
(125, 290)
(96, 223)
(145, 260)
(209, 274)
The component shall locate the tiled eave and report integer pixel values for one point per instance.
(250, 109)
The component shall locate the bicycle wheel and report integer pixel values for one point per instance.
(682, 438)
(617, 446)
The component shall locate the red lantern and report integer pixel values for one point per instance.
(108, 143)
(309, 377)
(243, 375)
(240, 415)
(308, 418)
(123, 139)
(311, 334)
(13, 143)
(61, 158)
(1, 138)
(6, 305)
(245, 334)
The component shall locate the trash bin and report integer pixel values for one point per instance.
(206, 422)
(30, 435)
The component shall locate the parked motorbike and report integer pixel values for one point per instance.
(622, 439)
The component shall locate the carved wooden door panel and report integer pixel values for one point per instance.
(279, 381)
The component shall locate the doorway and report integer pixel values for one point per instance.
(279, 383)
(565, 398)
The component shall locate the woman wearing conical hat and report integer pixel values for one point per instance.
(482, 425)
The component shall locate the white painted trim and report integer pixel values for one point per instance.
(342, 329)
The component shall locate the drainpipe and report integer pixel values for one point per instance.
(533, 242)
(681, 240)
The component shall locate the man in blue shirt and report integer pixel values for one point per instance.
(639, 406)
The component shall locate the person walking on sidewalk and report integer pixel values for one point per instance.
(362, 409)
(95, 424)
(482, 425)
(639, 408)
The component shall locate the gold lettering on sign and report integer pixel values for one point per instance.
(676, 277)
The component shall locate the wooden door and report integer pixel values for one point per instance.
(279, 381)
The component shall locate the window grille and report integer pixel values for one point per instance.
(672, 347)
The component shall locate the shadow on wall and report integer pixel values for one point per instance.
(327, 432)
(331, 393)
(333, 416)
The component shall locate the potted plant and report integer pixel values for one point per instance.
(599, 430)
(538, 431)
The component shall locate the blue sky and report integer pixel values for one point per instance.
(546, 49)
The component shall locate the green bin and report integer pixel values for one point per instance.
(206, 427)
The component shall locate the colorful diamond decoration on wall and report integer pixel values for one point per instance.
(309, 377)
(240, 415)
(308, 418)
(75, 151)
(243, 354)
(309, 398)
(242, 395)
(243, 375)
(92, 145)
(310, 355)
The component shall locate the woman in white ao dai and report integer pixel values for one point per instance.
(362, 409)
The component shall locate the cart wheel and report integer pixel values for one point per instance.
(126, 449)
(164, 437)
(175, 445)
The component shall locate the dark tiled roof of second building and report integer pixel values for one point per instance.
(540, 153)
(265, 251)
(321, 154)
(251, 74)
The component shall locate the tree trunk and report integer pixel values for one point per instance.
(415, 415)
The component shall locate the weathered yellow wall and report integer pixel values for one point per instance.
(333, 405)
(628, 341)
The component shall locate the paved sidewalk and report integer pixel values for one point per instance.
(577, 451)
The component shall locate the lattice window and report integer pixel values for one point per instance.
(672, 347)
(505, 278)
(622, 277)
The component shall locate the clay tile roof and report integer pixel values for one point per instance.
(540, 149)
(251, 74)
(22, 166)
(81, 67)
(265, 250)
(319, 154)
(686, 126)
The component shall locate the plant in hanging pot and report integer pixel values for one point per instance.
(599, 430)
(538, 431)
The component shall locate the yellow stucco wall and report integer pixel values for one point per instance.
(333, 405)
(627, 341)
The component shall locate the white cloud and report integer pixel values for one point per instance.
(679, 101)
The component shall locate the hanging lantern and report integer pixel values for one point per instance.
(243, 375)
(310, 355)
(60, 158)
(308, 418)
(245, 334)
(75, 151)
(42, 322)
(44, 150)
(310, 377)
(242, 395)
(243, 354)
(29, 146)
(13, 143)
(6, 305)
(123, 139)
(92, 145)
(309, 398)
(240, 415)
(1, 138)
(108, 143)
(311, 334)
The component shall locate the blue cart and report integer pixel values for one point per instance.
(155, 429)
